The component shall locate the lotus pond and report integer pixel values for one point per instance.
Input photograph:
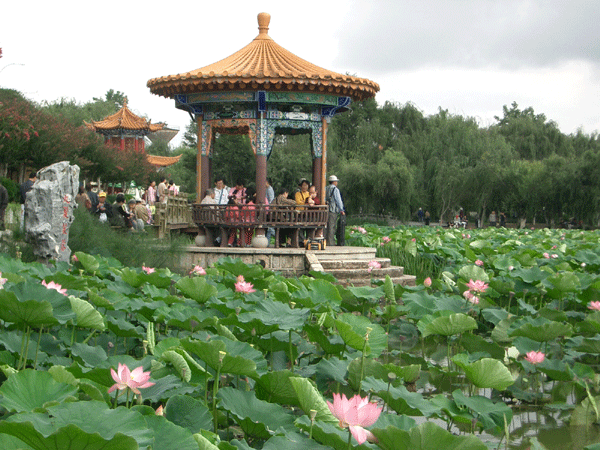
(499, 349)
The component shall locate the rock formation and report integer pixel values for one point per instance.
(49, 210)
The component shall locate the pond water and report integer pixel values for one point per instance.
(547, 422)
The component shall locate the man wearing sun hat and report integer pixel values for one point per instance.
(333, 198)
(102, 210)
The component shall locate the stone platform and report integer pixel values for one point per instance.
(348, 264)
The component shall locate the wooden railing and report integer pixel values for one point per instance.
(174, 214)
(288, 218)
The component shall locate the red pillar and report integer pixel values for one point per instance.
(261, 178)
(122, 146)
(316, 171)
(199, 161)
(323, 174)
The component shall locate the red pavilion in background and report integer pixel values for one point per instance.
(127, 131)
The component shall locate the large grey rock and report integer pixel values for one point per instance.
(49, 210)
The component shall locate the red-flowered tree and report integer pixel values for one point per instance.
(31, 138)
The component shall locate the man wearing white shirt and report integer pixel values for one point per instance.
(221, 192)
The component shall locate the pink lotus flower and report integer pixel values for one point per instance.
(134, 380)
(594, 305)
(535, 357)
(546, 255)
(386, 239)
(374, 265)
(148, 270)
(74, 258)
(471, 297)
(55, 286)
(362, 230)
(197, 270)
(554, 247)
(583, 264)
(478, 286)
(414, 239)
(553, 256)
(427, 282)
(2, 281)
(510, 268)
(479, 263)
(160, 411)
(243, 286)
(355, 414)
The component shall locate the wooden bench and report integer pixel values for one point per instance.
(284, 219)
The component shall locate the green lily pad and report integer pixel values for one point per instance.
(256, 417)
(189, 413)
(87, 316)
(30, 389)
(196, 288)
(543, 330)
(485, 373)
(450, 325)
(353, 329)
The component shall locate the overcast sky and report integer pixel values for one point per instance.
(470, 57)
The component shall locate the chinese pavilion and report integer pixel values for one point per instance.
(261, 90)
(126, 130)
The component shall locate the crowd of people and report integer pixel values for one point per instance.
(137, 212)
(240, 202)
(134, 214)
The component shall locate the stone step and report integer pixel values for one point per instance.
(352, 263)
(404, 280)
(342, 253)
(343, 274)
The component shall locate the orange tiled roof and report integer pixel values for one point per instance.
(263, 64)
(163, 161)
(124, 119)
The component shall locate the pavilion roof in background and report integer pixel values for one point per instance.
(264, 65)
(124, 119)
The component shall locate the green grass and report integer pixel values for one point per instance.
(131, 249)
(421, 265)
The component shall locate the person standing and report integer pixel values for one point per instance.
(492, 219)
(221, 192)
(25, 188)
(151, 193)
(3, 205)
(93, 195)
(162, 190)
(336, 208)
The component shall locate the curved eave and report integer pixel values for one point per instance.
(163, 161)
(170, 86)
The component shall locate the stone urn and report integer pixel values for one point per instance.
(201, 240)
(260, 241)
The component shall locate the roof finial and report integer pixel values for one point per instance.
(263, 22)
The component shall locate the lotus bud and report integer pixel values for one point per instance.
(369, 329)
(292, 304)
(221, 356)
(145, 346)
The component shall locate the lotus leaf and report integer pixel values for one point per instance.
(196, 288)
(429, 436)
(256, 417)
(400, 399)
(30, 389)
(89, 263)
(492, 415)
(542, 330)
(87, 316)
(486, 372)
(353, 329)
(189, 413)
(276, 387)
(310, 398)
(449, 325)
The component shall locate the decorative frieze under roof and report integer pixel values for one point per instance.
(264, 65)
